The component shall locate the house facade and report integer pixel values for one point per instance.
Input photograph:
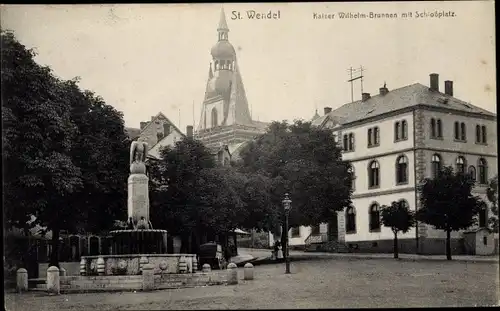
(394, 140)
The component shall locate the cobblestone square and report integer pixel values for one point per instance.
(320, 283)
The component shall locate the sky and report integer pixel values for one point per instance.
(149, 58)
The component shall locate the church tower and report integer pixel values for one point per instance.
(225, 116)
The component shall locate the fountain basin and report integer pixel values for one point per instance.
(139, 241)
(131, 264)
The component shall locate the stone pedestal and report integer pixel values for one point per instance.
(138, 197)
(22, 280)
(53, 280)
(248, 271)
(232, 274)
(148, 278)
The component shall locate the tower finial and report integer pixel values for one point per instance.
(222, 21)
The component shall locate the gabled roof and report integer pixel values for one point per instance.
(160, 114)
(405, 97)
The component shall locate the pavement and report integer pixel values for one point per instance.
(265, 255)
(342, 284)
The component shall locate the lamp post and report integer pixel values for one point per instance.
(287, 204)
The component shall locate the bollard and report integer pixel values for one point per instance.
(206, 268)
(148, 277)
(22, 280)
(101, 266)
(195, 264)
(248, 271)
(83, 267)
(62, 272)
(143, 261)
(232, 274)
(53, 281)
(182, 265)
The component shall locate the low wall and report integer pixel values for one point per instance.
(72, 268)
(112, 282)
(135, 282)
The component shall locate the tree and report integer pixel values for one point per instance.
(492, 195)
(398, 217)
(38, 170)
(192, 196)
(65, 151)
(447, 203)
(304, 161)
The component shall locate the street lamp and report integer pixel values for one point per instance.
(287, 204)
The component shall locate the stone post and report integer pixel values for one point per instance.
(22, 280)
(101, 266)
(232, 274)
(206, 268)
(248, 271)
(83, 266)
(53, 281)
(62, 272)
(148, 278)
(182, 265)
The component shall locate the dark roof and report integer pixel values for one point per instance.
(408, 96)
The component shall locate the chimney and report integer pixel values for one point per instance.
(327, 110)
(189, 131)
(365, 96)
(152, 117)
(383, 90)
(434, 82)
(448, 87)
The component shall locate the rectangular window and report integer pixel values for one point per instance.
(295, 232)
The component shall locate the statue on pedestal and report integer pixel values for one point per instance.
(138, 155)
(138, 197)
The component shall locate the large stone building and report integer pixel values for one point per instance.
(225, 115)
(394, 140)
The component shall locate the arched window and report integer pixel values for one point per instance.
(436, 165)
(483, 134)
(433, 128)
(214, 117)
(404, 130)
(397, 126)
(439, 128)
(350, 220)
(483, 171)
(346, 142)
(457, 131)
(374, 217)
(351, 141)
(463, 131)
(472, 172)
(460, 165)
(483, 215)
(478, 133)
(402, 170)
(373, 174)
